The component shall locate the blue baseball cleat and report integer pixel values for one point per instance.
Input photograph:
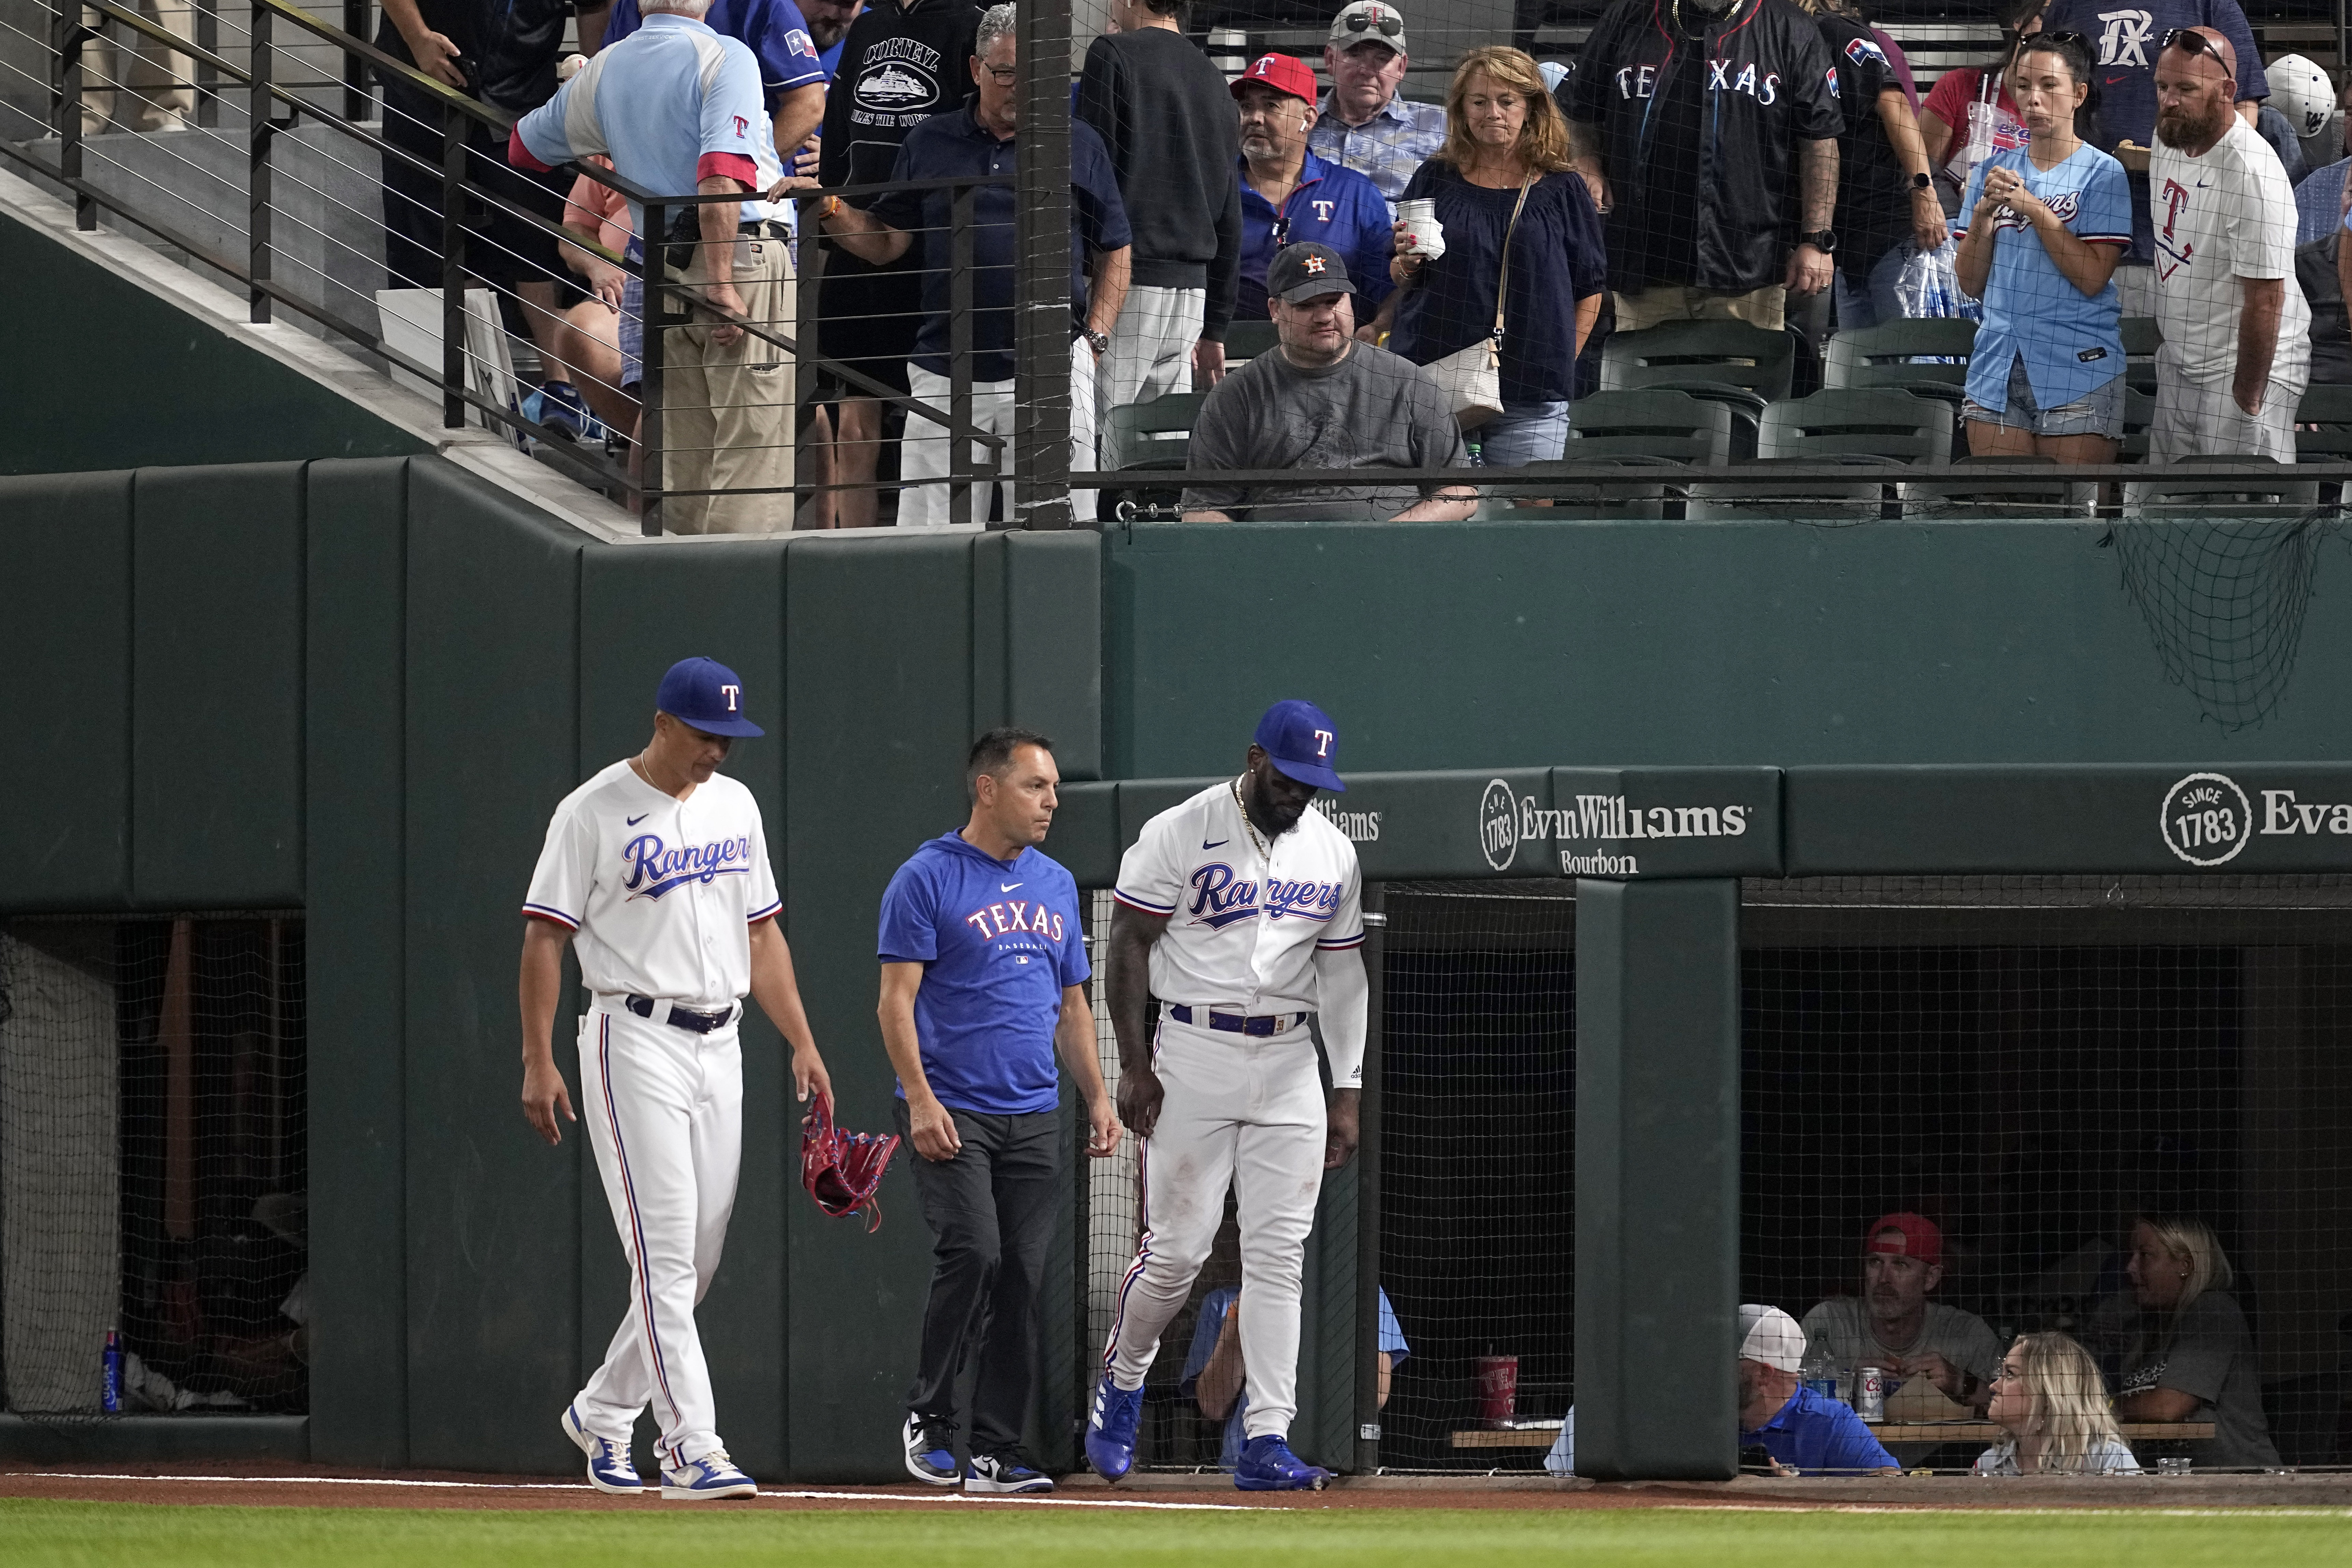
(610, 1468)
(711, 1477)
(930, 1451)
(1268, 1465)
(1110, 1429)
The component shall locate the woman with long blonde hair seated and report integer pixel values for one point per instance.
(2051, 1400)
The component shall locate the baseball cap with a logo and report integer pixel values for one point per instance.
(1306, 271)
(1369, 22)
(1302, 742)
(1917, 1236)
(1280, 72)
(706, 695)
(1770, 1335)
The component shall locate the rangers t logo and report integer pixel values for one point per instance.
(732, 692)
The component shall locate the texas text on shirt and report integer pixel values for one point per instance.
(1242, 931)
(663, 892)
(624, 103)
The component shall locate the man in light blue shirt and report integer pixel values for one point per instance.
(681, 111)
(1364, 125)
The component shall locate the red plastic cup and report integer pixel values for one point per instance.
(1498, 1387)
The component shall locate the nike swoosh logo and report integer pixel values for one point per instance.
(639, 817)
(1006, 887)
(2113, 80)
(1206, 844)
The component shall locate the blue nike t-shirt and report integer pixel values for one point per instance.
(998, 941)
(2069, 340)
(1815, 1436)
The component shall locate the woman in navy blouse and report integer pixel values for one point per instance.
(1502, 129)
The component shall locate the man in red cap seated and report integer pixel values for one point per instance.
(1894, 1326)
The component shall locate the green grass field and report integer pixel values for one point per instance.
(103, 1535)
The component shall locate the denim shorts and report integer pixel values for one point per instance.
(2099, 412)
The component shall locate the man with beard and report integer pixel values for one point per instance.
(1322, 400)
(1895, 1326)
(1706, 131)
(2237, 331)
(1242, 911)
(1804, 1433)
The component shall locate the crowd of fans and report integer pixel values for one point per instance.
(1766, 162)
(2171, 1348)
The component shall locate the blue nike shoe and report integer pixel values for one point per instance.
(1110, 1428)
(610, 1468)
(1268, 1465)
(712, 1476)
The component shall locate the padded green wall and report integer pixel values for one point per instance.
(106, 375)
(1557, 644)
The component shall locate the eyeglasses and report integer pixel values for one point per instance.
(2191, 41)
(1005, 75)
(1390, 23)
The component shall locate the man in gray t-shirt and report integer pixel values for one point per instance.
(1322, 400)
(1894, 1327)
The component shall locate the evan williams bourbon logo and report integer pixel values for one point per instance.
(2206, 819)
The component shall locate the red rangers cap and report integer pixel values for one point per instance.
(1918, 1237)
(1282, 73)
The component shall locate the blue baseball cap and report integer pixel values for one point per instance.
(707, 695)
(1303, 742)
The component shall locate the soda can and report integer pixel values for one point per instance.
(111, 1392)
(1499, 1388)
(1869, 1393)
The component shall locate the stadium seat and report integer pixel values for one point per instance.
(2140, 413)
(1244, 341)
(1731, 362)
(1651, 489)
(2261, 493)
(2329, 408)
(1866, 422)
(1928, 356)
(1963, 501)
(1655, 425)
(1154, 435)
(2141, 339)
(1754, 496)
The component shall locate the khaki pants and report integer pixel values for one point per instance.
(1680, 302)
(726, 411)
(138, 83)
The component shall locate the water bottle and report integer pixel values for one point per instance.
(112, 1395)
(1818, 1372)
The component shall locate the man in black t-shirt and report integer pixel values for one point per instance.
(502, 54)
(900, 65)
(1707, 130)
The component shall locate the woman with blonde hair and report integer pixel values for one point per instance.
(2049, 1398)
(2192, 1357)
(1514, 216)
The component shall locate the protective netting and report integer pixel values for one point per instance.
(2034, 1066)
(153, 1165)
(2225, 599)
(1477, 1190)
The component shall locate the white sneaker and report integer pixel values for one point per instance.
(1005, 1473)
(712, 1476)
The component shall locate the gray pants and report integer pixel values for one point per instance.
(2202, 419)
(1151, 350)
(990, 1214)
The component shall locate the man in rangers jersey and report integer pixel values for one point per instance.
(656, 870)
(1243, 912)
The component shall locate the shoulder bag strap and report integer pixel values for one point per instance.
(1503, 273)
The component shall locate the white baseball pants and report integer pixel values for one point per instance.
(1245, 1112)
(664, 1109)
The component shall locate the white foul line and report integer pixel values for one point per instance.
(581, 1487)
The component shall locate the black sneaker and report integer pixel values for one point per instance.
(1007, 1472)
(930, 1451)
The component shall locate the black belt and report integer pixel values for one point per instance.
(685, 233)
(684, 1017)
(1235, 1024)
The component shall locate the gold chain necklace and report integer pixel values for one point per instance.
(1264, 850)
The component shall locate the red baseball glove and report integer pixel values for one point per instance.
(840, 1168)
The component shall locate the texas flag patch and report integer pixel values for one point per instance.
(1861, 50)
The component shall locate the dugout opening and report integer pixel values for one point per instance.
(153, 1165)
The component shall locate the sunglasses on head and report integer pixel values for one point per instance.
(2188, 40)
(1365, 20)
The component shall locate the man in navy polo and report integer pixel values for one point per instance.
(1289, 195)
(984, 972)
(980, 140)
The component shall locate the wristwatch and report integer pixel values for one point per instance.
(1099, 342)
(1821, 239)
(1923, 182)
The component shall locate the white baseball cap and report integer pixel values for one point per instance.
(1770, 1335)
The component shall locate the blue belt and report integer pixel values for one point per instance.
(684, 1017)
(1234, 1023)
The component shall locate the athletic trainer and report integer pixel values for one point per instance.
(1243, 912)
(657, 870)
(984, 972)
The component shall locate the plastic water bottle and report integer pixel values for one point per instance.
(112, 1394)
(1818, 1372)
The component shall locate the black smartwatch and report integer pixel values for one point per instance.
(1821, 239)
(1923, 182)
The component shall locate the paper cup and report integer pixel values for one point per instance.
(1420, 218)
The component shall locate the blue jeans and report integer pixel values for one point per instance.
(1875, 300)
(1523, 433)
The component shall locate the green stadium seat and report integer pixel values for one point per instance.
(1868, 422)
(1969, 500)
(2140, 413)
(1754, 496)
(1731, 362)
(1244, 341)
(1928, 356)
(2267, 490)
(1154, 435)
(1653, 424)
(2330, 409)
(2141, 339)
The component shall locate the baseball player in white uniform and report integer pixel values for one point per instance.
(657, 871)
(1243, 912)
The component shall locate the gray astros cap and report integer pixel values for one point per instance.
(1369, 22)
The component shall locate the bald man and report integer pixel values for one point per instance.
(2237, 333)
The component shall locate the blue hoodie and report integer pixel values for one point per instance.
(998, 941)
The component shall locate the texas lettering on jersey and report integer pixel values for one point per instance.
(1642, 82)
(1219, 899)
(654, 869)
(1027, 918)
